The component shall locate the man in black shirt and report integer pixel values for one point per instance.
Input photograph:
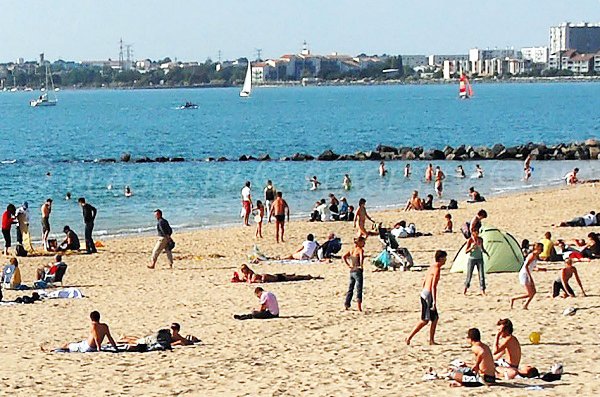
(164, 242)
(89, 215)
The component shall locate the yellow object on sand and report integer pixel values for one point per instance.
(535, 337)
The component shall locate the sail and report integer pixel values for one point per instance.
(48, 97)
(464, 88)
(247, 88)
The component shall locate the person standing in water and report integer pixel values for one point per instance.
(347, 182)
(270, 193)
(407, 171)
(354, 259)
(429, 173)
(527, 168)
(382, 170)
(314, 183)
(478, 171)
(439, 177)
(460, 171)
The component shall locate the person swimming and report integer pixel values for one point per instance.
(128, 192)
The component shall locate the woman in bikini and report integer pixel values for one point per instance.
(249, 276)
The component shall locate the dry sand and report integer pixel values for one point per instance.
(316, 347)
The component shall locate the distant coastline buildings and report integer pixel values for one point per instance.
(573, 49)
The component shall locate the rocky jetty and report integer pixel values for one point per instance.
(587, 150)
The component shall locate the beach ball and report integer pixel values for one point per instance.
(535, 337)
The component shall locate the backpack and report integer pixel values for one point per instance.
(466, 230)
(453, 205)
(20, 250)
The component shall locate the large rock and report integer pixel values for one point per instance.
(450, 156)
(592, 142)
(447, 150)
(409, 155)
(222, 159)
(386, 149)
(176, 159)
(109, 160)
(373, 156)
(328, 155)
(460, 151)
(264, 157)
(594, 152)
(243, 157)
(497, 149)
(144, 160)
(507, 153)
(360, 156)
(432, 154)
(484, 152)
(125, 157)
(161, 159)
(302, 157)
(347, 157)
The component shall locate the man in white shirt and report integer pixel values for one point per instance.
(571, 177)
(399, 230)
(324, 211)
(590, 219)
(307, 250)
(246, 203)
(269, 308)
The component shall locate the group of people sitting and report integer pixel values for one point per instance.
(162, 340)
(45, 275)
(334, 210)
(416, 203)
(559, 250)
(503, 361)
(311, 249)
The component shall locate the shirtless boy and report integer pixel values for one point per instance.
(439, 177)
(93, 342)
(178, 340)
(507, 350)
(483, 371)
(428, 296)
(562, 282)
(279, 209)
(429, 173)
(361, 218)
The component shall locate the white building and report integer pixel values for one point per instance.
(535, 54)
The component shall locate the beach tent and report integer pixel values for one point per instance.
(505, 253)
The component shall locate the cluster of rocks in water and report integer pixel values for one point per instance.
(588, 150)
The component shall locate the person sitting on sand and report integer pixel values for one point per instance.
(15, 281)
(350, 216)
(42, 271)
(343, 210)
(562, 282)
(591, 248)
(474, 195)
(269, 307)
(589, 219)
(323, 211)
(549, 254)
(571, 177)
(414, 203)
(306, 251)
(331, 246)
(98, 332)
(483, 371)
(507, 350)
(525, 277)
(249, 276)
(428, 202)
(449, 225)
(71, 241)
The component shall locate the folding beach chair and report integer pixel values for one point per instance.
(53, 276)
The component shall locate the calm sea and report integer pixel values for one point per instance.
(279, 121)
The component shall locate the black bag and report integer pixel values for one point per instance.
(466, 230)
(453, 205)
(20, 250)
(171, 245)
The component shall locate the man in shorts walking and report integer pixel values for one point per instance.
(428, 297)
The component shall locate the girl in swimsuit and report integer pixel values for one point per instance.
(525, 277)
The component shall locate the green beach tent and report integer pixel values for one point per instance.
(505, 253)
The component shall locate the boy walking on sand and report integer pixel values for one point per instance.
(429, 311)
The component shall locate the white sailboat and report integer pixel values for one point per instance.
(247, 88)
(48, 96)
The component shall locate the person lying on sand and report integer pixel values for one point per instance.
(176, 338)
(562, 282)
(483, 371)
(93, 343)
(569, 252)
(507, 350)
(588, 219)
(248, 275)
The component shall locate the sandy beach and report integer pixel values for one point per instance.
(315, 347)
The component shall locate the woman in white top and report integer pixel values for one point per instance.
(525, 277)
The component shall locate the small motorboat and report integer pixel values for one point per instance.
(188, 105)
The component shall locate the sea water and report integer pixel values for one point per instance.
(95, 124)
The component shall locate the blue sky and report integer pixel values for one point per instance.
(195, 30)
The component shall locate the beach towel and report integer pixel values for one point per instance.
(65, 293)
